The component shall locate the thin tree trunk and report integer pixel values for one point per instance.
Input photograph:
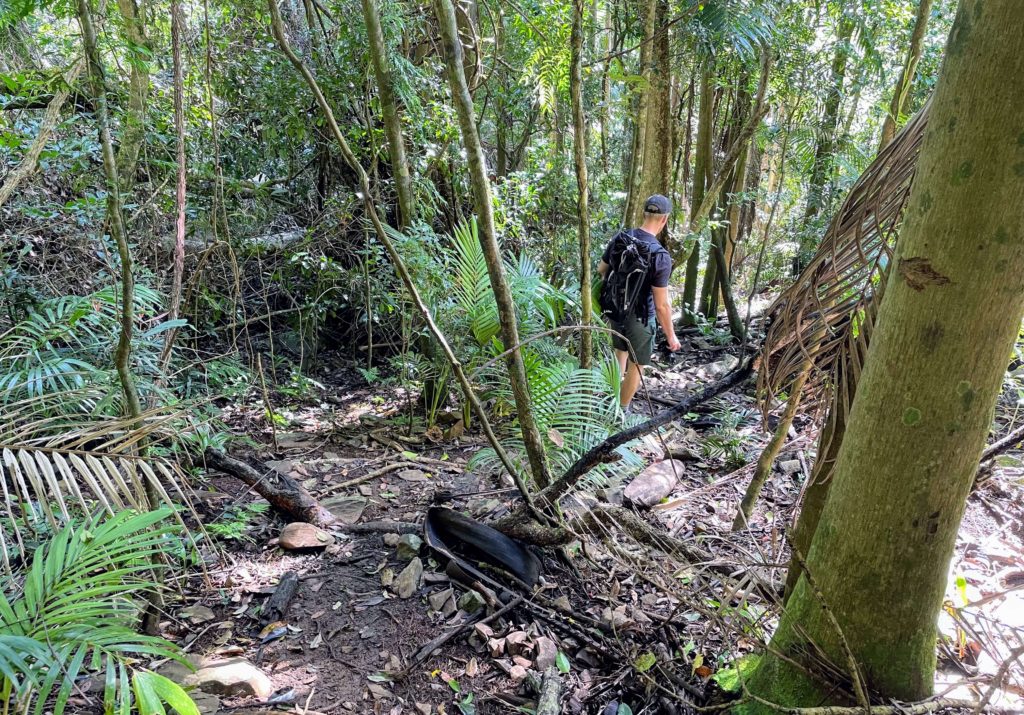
(179, 223)
(824, 152)
(770, 452)
(906, 80)
(640, 122)
(655, 175)
(50, 120)
(925, 398)
(134, 132)
(403, 273)
(702, 160)
(392, 119)
(492, 253)
(579, 123)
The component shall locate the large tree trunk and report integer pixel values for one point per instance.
(392, 120)
(638, 151)
(488, 240)
(579, 125)
(178, 272)
(906, 78)
(924, 402)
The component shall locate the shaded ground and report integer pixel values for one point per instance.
(348, 634)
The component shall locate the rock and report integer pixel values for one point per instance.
(520, 660)
(177, 671)
(366, 490)
(379, 692)
(208, 703)
(612, 495)
(283, 466)
(423, 708)
(790, 466)
(617, 619)
(515, 642)
(235, 676)
(435, 577)
(197, 614)
(483, 631)
(387, 577)
(347, 509)
(562, 603)
(412, 475)
(545, 653)
(299, 535)
(408, 582)
(409, 546)
(438, 599)
(292, 440)
(471, 602)
(450, 609)
(654, 483)
(496, 647)
(391, 540)
(517, 673)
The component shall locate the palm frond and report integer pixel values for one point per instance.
(826, 317)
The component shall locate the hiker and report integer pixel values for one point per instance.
(636, 268)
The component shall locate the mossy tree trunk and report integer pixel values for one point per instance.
(133, 133)
(925, 399)
(638, 151)
(906, 78)
(656, 164)
(488, 239)
(392, 119)
(579, 125)
(702, 169)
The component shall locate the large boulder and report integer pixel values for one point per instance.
(654, 483)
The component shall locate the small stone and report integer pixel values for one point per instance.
(409, 546)
(346, 509)
(435, 577)
(562, 603)
(300, 535)
(517, 673)
(496, 647)
(483, 631)
(617, 619)
(654, 483)
(450, 609)
(412, 475)
(283, 467)
(423, 708)
(235, 677)
(208, 703)
(366, 490)
(790, 466)
(520, 660)
(612, 495)
(438, 598)
(387, 577)
(515, 642)
(408, 582)
(197, 614)
(471, 602)
(546, 652)
(379, 692)
(391, 540)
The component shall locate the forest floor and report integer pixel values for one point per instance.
(347, 637)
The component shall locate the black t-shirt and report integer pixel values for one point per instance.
(661, 263)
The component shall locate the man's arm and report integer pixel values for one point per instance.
(663, 311)
(602, 268)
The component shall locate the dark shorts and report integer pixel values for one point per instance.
(640, 336)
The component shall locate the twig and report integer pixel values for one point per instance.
(997, 681)
(373, 475)
(423, 653)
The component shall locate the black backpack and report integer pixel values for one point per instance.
(627, 283)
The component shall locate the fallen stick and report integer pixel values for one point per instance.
(550, 694)
(277, 605)
(284, 493)
(391, 468)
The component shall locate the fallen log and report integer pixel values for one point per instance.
(277, 605)
(284, 493)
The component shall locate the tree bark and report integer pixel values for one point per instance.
(906, 79)
(639, 145)
(134, 132)
(392, 119)
(701, 170)
(492, 253)
(824, 152)
(579, 124)
(925, 399)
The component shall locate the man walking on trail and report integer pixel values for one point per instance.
(636, 268)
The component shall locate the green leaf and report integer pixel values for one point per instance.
(379, 678)
(562, 662)
(645, 662)
(454, 685)
(409, 455)
(169, 692)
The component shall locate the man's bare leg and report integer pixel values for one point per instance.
(630, 372)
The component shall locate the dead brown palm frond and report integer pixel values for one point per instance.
(55, 467)
(826, 317)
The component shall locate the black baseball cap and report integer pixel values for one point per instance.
(657, 204)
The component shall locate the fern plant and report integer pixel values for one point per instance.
(72, 613)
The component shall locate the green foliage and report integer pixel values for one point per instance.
(234, 523)
(73, 612)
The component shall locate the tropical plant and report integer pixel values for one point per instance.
(73, 612)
